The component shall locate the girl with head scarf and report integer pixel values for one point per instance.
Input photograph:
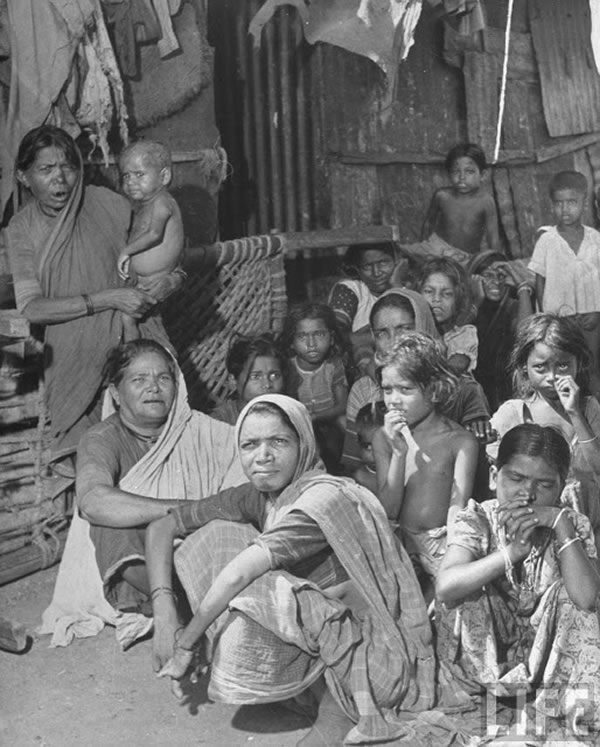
(290, 577)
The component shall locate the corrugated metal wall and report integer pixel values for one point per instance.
(263, 103)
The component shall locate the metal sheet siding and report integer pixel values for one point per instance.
(266, 118)
(569, 79)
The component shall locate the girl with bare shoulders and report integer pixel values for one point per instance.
(425, 462)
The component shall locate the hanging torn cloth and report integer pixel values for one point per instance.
(102, 98)
(45, 36)
(382, 30)
(464, 16)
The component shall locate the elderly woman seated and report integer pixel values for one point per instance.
(291, 576)
(151, 454)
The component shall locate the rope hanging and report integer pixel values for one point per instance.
(504, 77)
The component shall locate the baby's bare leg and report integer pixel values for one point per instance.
(131, 330)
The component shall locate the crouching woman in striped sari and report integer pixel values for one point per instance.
(293, 576)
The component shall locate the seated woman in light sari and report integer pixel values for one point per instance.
(517, 588)
(292, 576)
(151, 452)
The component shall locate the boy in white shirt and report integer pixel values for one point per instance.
(566, 262)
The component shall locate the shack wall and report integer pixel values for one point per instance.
(374, 155)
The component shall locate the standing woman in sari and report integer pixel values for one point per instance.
(62, 248)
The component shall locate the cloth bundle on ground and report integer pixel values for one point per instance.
(194, 457)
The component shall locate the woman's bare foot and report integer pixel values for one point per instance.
(331, 725)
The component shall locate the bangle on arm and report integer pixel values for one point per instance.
(179, 647)
(558, 515)
(163, 590)
(587, 440)
(89, 306)
(568, 542)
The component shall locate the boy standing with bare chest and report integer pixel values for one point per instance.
(425, 462)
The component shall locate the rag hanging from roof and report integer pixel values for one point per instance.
(46, 42)
(382, 30)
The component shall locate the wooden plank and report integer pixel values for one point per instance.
(516, 130)
(481, 90)
(569, 79)
(526, 198)
(593, 153)
(506, 211)
(567, 145)
(27, 560)
(406, 192)
(13, 636)
(385, 158)
(521, 59)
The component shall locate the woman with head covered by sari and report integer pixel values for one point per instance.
(292, 576)
(62, 249)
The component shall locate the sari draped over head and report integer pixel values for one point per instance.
(76, 253)
(193, 458)
(424, 321)
(282, 632)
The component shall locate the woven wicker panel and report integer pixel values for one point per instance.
(243, 292)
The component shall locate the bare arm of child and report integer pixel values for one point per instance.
(587, 439)
(340, 396)
(540, 284)
(149, 226)
(390, 449)
(432, 216)
(465, 466)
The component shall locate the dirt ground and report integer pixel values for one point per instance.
(91, 693)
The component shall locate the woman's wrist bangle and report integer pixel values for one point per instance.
(557, 519)
(525, 287)
(178, 646)
(89, 306)
(163, 590)
(568, 542)
(587, 440)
